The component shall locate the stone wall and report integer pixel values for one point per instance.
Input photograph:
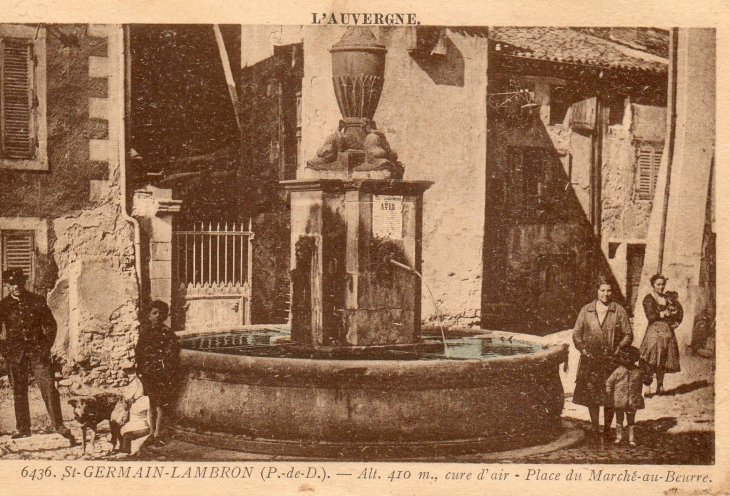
(433, 112)
(542, 252)
(88, 259)
(625, 216)
(542, 259)
(73, 96)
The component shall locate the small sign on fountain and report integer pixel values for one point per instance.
(388, 216)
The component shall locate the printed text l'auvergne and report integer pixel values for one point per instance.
(365, 19)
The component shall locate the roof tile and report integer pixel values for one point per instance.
(569, 45)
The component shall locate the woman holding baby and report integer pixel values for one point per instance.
(664, 313)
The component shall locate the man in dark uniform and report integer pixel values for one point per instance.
(27, 333)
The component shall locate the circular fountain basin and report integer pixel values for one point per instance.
(488, 394)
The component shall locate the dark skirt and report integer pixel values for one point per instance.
(659, 348)
(590, 380)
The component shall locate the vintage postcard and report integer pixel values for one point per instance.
(362, 249)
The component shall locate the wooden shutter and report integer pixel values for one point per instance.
(656, 162)
(649, 160)
(17, 252)
(17, 99)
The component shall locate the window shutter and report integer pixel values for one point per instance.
(17, 252)
(645, 174)
(583, 117)
(657, 161)
(17, 99)
(650, 158)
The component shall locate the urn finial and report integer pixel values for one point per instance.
(358, 69)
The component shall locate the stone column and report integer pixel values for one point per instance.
(155, 209)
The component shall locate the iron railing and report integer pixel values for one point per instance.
(218, 254)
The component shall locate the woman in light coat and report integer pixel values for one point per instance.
(601, 330)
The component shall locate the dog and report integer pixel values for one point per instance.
(91, 410)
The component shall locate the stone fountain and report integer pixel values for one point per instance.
(355, 378)
(351, 216)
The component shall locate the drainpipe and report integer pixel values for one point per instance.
(598, 166)
(124, 94)
(672, 97)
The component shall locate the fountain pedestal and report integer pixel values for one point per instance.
(352, 215)
(344, 233)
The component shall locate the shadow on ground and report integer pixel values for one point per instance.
(657, 437)
(655, 446)
(687, 388)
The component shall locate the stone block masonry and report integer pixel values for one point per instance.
(95, 296)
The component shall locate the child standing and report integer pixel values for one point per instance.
(623, 389)
(158, 364)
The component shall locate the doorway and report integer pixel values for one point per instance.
(634, 264)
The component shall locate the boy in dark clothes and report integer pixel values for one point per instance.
(158, 364)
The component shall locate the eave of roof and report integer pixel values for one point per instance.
(568, 46)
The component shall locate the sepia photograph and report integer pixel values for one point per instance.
(358, 239)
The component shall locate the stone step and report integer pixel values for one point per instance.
(36, 442)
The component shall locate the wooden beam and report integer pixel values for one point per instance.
(225, 61)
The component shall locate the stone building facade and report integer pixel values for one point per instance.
(545, 171)
(681, 233)
(576, 135)
(62, 213)
(472, 109)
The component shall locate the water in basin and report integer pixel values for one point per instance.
(259, 343)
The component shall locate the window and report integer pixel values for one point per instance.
(536, 185)
(559, 104)
(22, 98)
(649, 158)
(554, 285)
(616, 110)
(583, 117)
(530, 167)
(17, 248)
(17, 99)
(555, 273)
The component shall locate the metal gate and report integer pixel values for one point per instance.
(213, 265)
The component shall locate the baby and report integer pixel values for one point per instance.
(673, 305)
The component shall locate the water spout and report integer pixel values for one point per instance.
(435, 305)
